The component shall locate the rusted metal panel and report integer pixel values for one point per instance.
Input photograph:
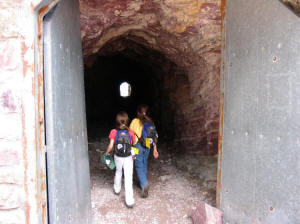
(66, 135)
(260, 163)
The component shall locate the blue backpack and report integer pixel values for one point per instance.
(123, 145)
(149, 135)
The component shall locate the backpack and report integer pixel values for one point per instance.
(149, 135)
(123, 145)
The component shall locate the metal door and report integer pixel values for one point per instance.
(68, 175)
(261, 142)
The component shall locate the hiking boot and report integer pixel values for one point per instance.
(145, 190)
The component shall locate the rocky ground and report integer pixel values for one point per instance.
(177, 186)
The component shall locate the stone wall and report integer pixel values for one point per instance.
(18, 169)
(186, 32)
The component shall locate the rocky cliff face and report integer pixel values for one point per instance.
(182, 40)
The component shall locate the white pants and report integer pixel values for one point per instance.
(125, 163)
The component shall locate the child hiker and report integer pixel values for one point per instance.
(121, 140)
(143, 127)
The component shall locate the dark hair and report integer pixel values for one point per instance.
(122, 120)
(141, 116)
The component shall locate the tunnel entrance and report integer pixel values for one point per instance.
(198, 104)
(177, 77)
(178, 181)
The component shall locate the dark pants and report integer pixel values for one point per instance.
(141, 163)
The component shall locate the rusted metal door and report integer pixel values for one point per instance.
(260, 179)
(68, 177)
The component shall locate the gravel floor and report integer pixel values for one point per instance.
(177, 185)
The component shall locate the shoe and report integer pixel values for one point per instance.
(129, 206)
(117, 193)
(145, 190)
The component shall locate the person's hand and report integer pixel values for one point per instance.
(106, 153)
(155, 154)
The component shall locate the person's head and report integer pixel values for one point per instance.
(142, 113)
(122, 120)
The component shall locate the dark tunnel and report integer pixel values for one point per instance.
(102, 88)
(147, 71)
(181, 89)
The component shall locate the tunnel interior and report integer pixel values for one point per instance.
(170, 54)
(147, 71)
(164, 85)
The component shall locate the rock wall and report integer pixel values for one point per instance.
(188, 34)
(293, 4)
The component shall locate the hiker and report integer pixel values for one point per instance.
(139, 126)
(121, 140)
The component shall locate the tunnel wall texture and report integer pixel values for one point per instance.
(260, 163)
(186, 32)
(294, 5)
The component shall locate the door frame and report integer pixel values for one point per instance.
(39, 13)
(221, 103)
